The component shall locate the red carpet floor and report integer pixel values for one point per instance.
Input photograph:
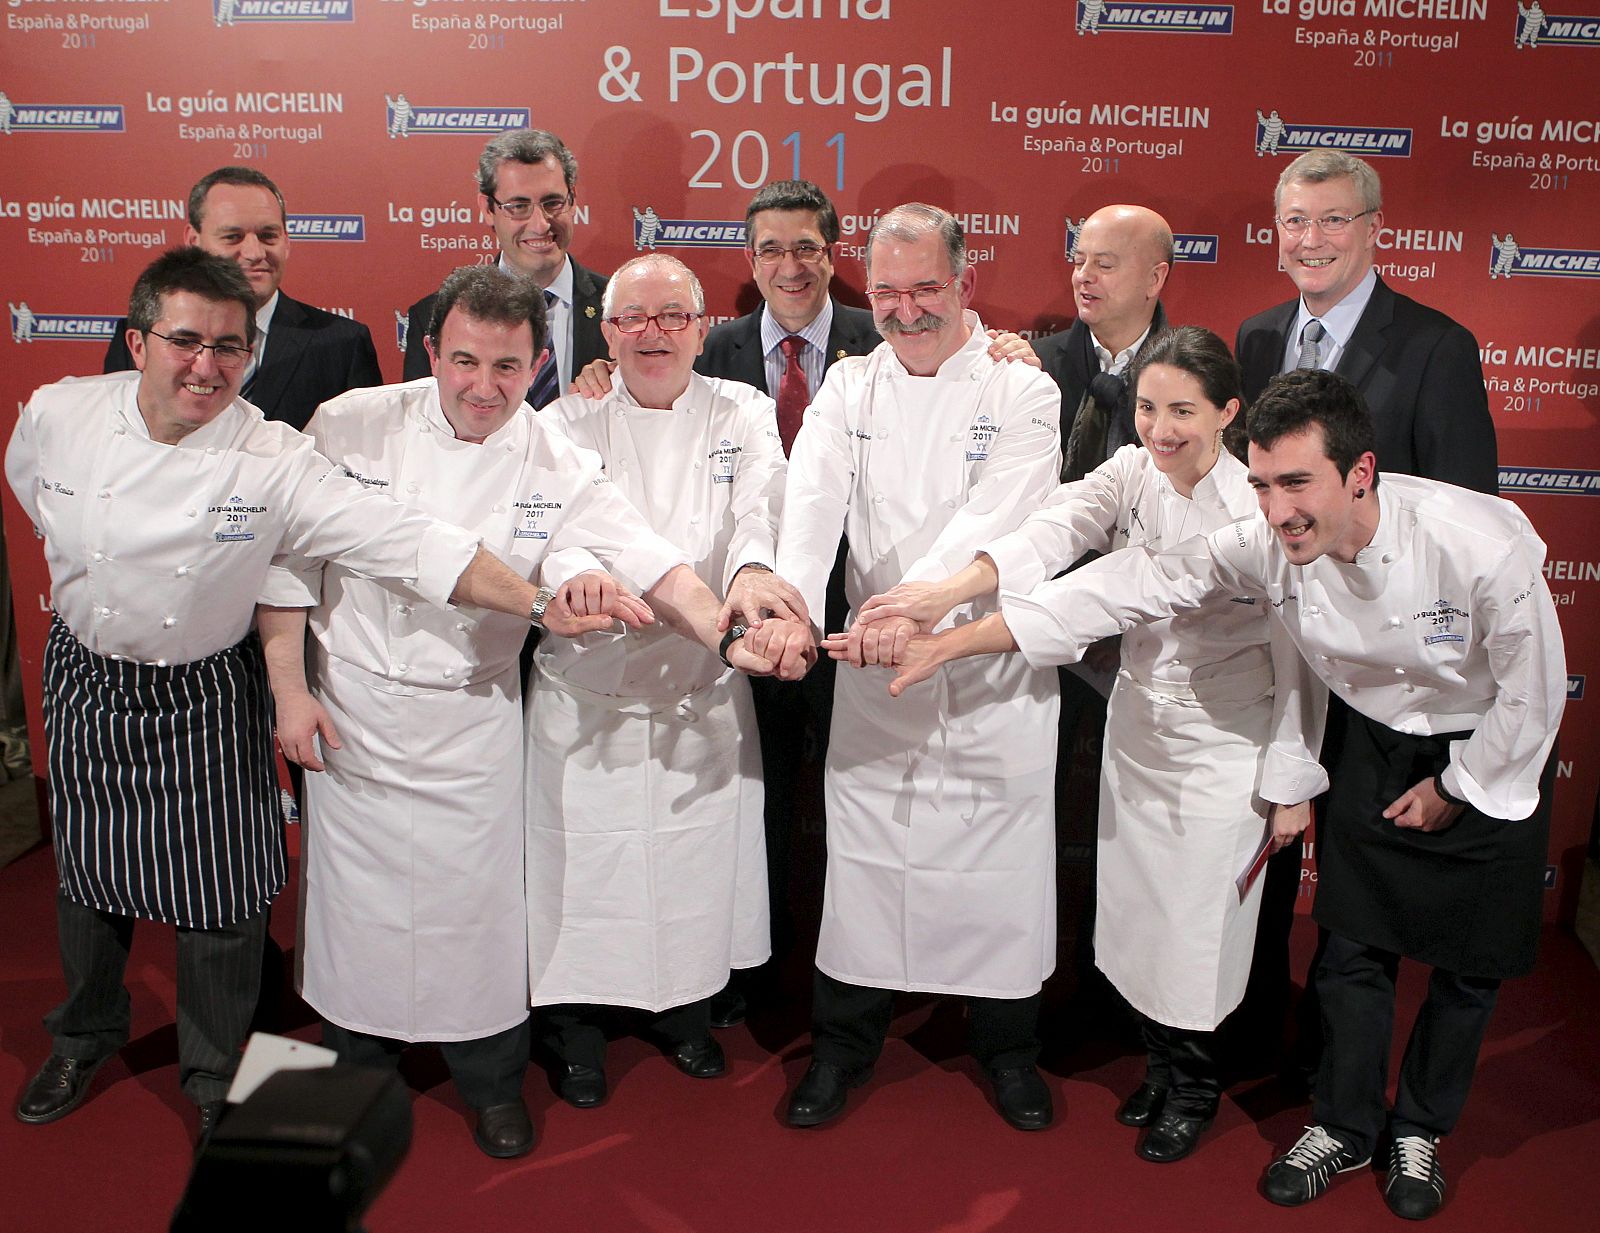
(920, 1148)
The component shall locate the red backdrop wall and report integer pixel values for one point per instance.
(1022, 117)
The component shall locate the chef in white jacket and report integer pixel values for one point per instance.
(1204, 739)
(646, 857)
(414, 927)
(940, 815)
(163, 499)
(1425, 607)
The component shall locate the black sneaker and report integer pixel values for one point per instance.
(1415, 1189)
(1305, 1170)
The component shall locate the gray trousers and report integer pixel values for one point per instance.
(219, 981)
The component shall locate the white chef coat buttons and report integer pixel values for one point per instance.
(182, 571)
(169, 622)
(211, 449)
(448, 673)
(191, 513)
(99, 556)
(1388, 558)
(105, 612)
(402, 668)
(462, 626)
(878, 500)
(411, 488)
(1399, 671)
(1313, 611)
(499, 509)
(1392, 623)
(105, 494)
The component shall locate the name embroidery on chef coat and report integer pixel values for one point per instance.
(368, 480)
(980, 437)
(1440, 617)
(533, 512)
(723, 458)
(56, 486)
(234, 526)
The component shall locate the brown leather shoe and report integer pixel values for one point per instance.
(504, 1131)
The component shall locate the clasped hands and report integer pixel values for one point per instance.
(893, 630)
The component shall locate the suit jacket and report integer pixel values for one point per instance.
(1418, 371)
(1069, 359)
(588, 344)
(733, 349)
(312, 355)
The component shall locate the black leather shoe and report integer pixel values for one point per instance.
(1171, 1136)
(699, 1059)
(820, 1095)
(61, 1085)
(1141, 1108)
(583, 1087)
(504, 1131)
(728, 1008)
(1023, 1098)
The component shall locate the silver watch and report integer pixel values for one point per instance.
(541, 601)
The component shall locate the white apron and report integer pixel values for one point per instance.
(941, 818)
(415, 927)
(393, 857)
(644, 884)
(647, 872)
(1179, 819)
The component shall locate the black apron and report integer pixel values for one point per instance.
(1468, 899)
(162, 794)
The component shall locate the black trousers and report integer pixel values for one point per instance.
(487, 1071)
(1183, 1061)
(1356, 987)
(850, 1022)
(575, 1031)
(219, 980)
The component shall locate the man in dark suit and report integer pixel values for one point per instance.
(304, 355)
(1417, 369)
(1421, 378)
(1120, 262)
(527, 188)
(790, 230)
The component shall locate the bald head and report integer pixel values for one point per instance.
(1120, 263)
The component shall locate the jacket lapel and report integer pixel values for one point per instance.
(1370, 337)
(286, 346)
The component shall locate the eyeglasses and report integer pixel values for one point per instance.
(519, 208)
(228, 355)
(805, 252)
(1328, 224)
(667, 322)
(923, 297)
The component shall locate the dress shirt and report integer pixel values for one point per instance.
(1118, 363)
(559, 317)
(1340, 322)
(813, 356)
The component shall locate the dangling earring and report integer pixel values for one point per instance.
(1360, 492)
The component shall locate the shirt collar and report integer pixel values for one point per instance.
(1119, 363)
(264, 314)
(977, 344)
(433, 412)
(815, 333)
(560, 286)
(1385, 545)
(683, 402)
(1340, 320)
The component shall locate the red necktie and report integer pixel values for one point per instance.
(794, 396)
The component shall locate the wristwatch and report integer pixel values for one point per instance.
(541, 601)
(735, 632)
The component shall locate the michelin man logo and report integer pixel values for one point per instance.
(1271, 132)
(7, 110)
(22, 320)
(1073, 230)
(402, 326)
(1530, 20)
(225, 12)
(399, 115)
(1089, 14)
(646, 228)
(1505, 255)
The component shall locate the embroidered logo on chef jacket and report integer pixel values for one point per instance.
(980, 437)
(368, 480)
(723, 458)
(533, 512)
(1440, 617)
(234, 525)
(1126, 531)
(56, 486)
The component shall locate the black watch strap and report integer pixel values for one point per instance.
(735, 632)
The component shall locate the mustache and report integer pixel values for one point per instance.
(927, 321)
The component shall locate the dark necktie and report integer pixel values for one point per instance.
(794, 395)
(547, 381)
(1311, 345)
